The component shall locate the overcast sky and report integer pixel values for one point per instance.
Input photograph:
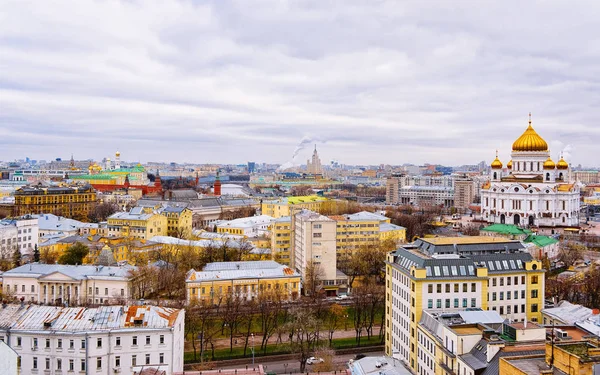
(368, 81)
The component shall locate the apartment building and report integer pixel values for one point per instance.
(72, 202)
(247, 226)
(140, 222)
(74, 285)
(287, 206)
(281, 239)
(18, 234)
(464, 193)
(103, 340)
(453, 273)
(245, 280)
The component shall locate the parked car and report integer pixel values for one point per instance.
(314, 360)
(341, 297)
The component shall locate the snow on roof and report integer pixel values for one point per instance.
(387, 227)
(200, 243)
(82, 272)
(247, 222)
(366, 216)
(246, 270)
(568, 312)
(50, 222)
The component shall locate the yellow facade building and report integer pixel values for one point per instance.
(179, 221)
(281, 231)
(71, 202)
(139, 222)
(285, 206)
(245, 280)
(454, 273)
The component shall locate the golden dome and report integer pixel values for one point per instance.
(562, 164)
(496, 164)
(530, 141)
(509, 164)
(117, 154)
(549, 164)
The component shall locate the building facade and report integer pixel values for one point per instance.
(533, 190)
(314, 166)
(103, 340)
(139, 222)
(456, 273)
(281, 242)
(464, 193)
(245, 280)
(18, 234)
(75, 285)
(72, 202)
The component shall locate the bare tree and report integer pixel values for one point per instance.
(313, 280)
(303, 329)
(570, 252)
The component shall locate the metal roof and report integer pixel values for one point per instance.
(241, 270)
(82, 272)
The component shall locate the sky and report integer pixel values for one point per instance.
(368, 82)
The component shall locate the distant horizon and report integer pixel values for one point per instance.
(369, 83)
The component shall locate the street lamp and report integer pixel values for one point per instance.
(252, 349)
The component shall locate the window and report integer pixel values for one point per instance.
(59, 364)
(99, 363)
(508, 279)
(456, 288)
(430, 288)
(502, 281)
(473, 287)
(447, 288)
(99, 342)
(523, 280)
(117, 361)
(516, 294)
(429, 303)
(493, 296)
(118, 341)
(147, 359)
(47, 343)
(317, 226)
(534, 279)
(23, 288)
(161, 339)
(465, 287)
(82, 344)
(59, 343)
(439, 288)
(317, 235)
(447, 303)
(123, 292)
(71, 344)
(147, 340)
(494, 281)
(501, 296)
(464, 302)
(473, 302)
(90, 292)
(523, 294)
(161, 358)
(134, 360)
(438, 303)
(71, 365)
(106, 291)
(83, 365)
(456, 303)
(134, 340)
(18, 341)
(534, 293)
(534, 308)
(34, 365)
(508, 294)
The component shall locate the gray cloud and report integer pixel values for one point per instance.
(222, 81)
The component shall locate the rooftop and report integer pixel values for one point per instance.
(241, 270)
(248, 222)
(83, 319)
(469, 240)
(509, 229)
(568, 312)
(82, 272)
(377, 366)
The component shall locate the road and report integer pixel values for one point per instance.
(293, 366)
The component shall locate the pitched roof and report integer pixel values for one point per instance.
(509, 229)
(82, 272)
(241, 270)
(540, 241)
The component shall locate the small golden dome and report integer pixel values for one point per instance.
(509, 164)
(117, 154)
(562, 164)
(496, 164)
(549, 164)
(530, 140)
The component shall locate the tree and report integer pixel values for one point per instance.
(570, 252)
(303, 330)
(334, 318)
(16, 258)
(36, 253)
(328, 356)
(314, 277)
(74, 254)
(143, 281)
(102, 211)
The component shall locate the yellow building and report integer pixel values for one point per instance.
(247, 280)
(179, 221)
(71, 202)
(454, 273)
(285, 206)
(139, 222)
(392, 232)
(281, 231)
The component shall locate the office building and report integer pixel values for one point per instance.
(72, 202)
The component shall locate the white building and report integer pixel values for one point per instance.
(8, 360)
(104, 340)
(20, 233)
(533, 190)
(253, 226)
(57, 283)
(426, 195)
(52, 226)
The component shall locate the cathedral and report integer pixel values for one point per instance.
(533, 190)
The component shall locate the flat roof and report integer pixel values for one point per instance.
(465, 240)
(467, 330)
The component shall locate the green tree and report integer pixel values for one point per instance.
(16, 258)
(36, 253)
(74, 254)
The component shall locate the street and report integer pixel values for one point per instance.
(293, 366)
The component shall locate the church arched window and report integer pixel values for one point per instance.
(560, 176)
(495, 175)
(547, 176)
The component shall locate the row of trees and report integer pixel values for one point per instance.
(303, 327)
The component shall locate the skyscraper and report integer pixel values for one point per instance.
(314, 166)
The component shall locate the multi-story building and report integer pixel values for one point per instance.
(453, 273)
(52, 226)
(464, 193)
(287, 206)
(393, 185)
(313, 166)
(314, 250)
(587, 177)
(179, 221)
(18, 234)
(247, 226)
(426, 196)
(103, 340)
(139, 222)
(281, 239)
(75, 285)
(246, 280)
(534, 191)
(72, 202)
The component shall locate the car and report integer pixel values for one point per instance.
(341, 297)
(314, 360)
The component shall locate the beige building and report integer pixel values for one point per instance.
(587, 177)
(75, 285)
(464, 193)
(314, 243)
(393, 185)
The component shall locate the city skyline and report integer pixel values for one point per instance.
(217, 82)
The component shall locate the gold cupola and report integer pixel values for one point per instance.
(549, 164)
(509, 164)
(530, 140)
(496, 164)
(562, 164)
